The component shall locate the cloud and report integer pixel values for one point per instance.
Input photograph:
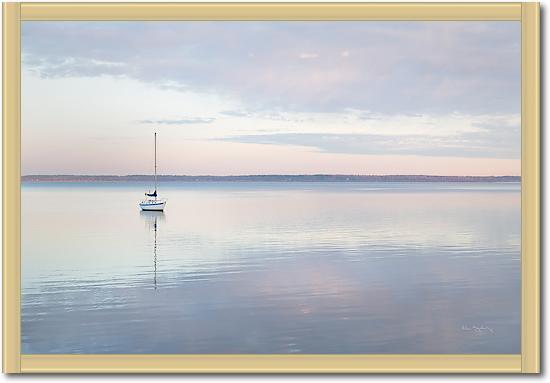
(235, 113)
(267, 115)
(396, 67)
(183, 121)
(306, 56)
(480, 144)
(366, 132)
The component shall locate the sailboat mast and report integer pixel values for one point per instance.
(155, 162)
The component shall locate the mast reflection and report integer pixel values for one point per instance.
(152, 218)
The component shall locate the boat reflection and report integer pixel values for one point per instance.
(152, 218)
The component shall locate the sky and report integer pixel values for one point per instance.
(235, 97)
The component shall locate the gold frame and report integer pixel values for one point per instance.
(526, 362)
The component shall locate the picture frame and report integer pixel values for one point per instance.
(526, 362)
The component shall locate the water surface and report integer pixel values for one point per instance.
(251, 267)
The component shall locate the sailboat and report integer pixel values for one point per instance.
(152, 202)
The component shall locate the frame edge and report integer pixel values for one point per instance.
(530, 187)
(11, 202)
(281, 364)
(271, 11)
(14, 362)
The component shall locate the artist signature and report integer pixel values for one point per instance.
(479, 330)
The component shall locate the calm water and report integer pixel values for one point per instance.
(271, 268)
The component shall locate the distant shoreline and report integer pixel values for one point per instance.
(269, 178)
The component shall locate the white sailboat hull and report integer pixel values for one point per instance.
(152, 205)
